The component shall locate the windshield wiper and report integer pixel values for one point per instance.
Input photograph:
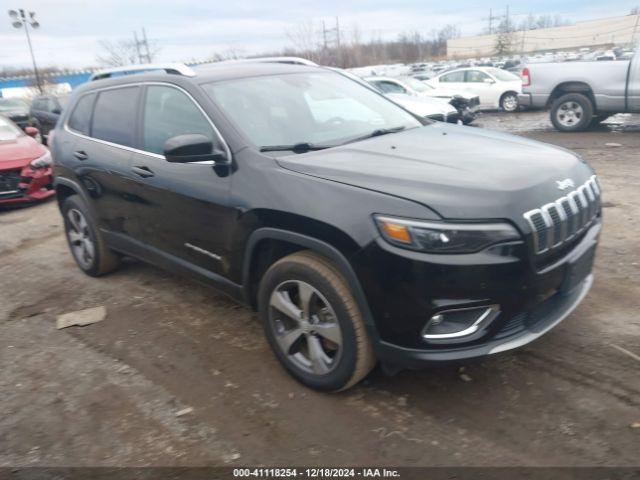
(301, 147)
(377, 133)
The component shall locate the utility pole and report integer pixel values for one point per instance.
(142, 47)
(135, 40)
(324, 36)
(19, 20)
(146, 44)
(338, 42)
(491, 18)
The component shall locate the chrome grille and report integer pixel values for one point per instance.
(557, 222)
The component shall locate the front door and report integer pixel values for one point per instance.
(184, 207)
(482, 85)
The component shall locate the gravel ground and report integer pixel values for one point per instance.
(179, 375)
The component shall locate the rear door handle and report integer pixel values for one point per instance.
(80, 155)
(144, 172)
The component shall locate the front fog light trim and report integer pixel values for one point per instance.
(486, 315)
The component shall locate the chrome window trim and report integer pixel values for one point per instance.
(144, 152)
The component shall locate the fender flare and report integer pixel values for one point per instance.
(73, 185)
(322, 248)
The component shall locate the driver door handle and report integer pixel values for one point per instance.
(80, 155)
(144, 172)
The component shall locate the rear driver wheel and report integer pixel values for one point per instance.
(85, 241)
(509, 102)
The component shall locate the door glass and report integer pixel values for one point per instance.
(476, 76)
(168, 112)
(114, 118)
(453, 77)
(81, 116)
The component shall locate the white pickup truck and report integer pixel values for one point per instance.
(580, 94)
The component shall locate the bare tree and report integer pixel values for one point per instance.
(125, 52)
(304, 37)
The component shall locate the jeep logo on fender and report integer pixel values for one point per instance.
(564, 184)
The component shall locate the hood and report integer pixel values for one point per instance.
(423, 106)
(459, 172)
(19, 151)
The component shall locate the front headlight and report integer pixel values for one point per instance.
(42, 162)
(443, 237)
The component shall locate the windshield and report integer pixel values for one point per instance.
(9, 104)
(319, 108)
(8, 131)
(503, 75)
(416, 84)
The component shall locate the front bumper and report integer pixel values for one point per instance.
(521, 331)
(32, 186)
(405, 289)
(524, 100)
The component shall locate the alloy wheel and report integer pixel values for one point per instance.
(510, 103)
(82, 245)
(305, 327)
(569, 114)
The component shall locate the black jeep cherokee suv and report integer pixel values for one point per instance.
(359, 232)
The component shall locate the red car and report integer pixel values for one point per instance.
(25, 165)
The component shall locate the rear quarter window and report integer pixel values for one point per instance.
(114, 116)
(80, 119)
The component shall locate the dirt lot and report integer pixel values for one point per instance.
(111, 393)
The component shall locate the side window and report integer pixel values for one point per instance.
(453, 77)
(391, 87)
(168, 112)
(50, 105)
(80, 118)
(476, 76)
(38, 104)
(114, 117)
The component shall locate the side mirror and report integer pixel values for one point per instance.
(32, 131)
(489, 80)
(192, 148)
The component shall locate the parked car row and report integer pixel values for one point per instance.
(43, 113)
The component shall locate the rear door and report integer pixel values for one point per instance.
(104, 127)
(451, 80)
(184, 207)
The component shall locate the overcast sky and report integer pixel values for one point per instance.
(186, 29)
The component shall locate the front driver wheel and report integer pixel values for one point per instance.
(313, 323)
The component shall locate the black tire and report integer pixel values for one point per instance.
(572, 112)
(103, 259)
(509, 102)
(353, 359)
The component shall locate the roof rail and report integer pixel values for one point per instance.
(288, 60)
(172, 68)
